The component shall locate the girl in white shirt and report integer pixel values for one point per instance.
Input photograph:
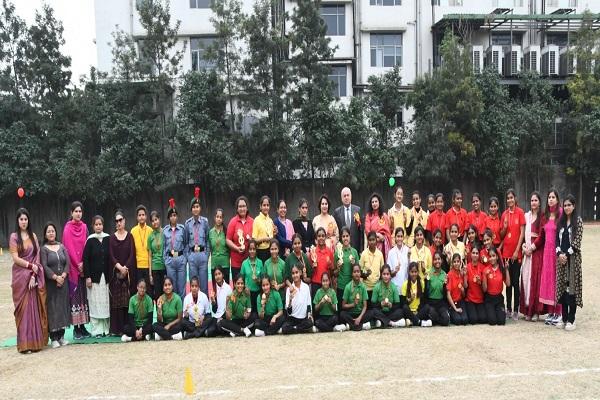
(218, 300)
(398, 259)
(298, 307)
(197, 314)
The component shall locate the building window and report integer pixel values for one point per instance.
(335, 19)
(558, 38)
(338, 76)
(503, 39)
(455, 3)
(198, 47)
(552, 3)
(386, 2)
(386, 49)
(200, 3)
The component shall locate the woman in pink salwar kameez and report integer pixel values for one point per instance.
(533, 254)
(28, 287)
(548, 278)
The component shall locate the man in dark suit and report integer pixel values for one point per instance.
(347, 215)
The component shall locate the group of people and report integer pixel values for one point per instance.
(419, 267)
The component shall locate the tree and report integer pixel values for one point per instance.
(228, 20)
(584, 91)
(447, 104)
(14, 41)
(126, 63)
(386, 100)
(158, 48)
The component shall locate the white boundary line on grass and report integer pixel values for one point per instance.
(284, 388)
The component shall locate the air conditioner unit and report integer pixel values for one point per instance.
(550, 58)
(477, 59)
(531, 59)
(493, 58)
(568, 61)
(513, 60)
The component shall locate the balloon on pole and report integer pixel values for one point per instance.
(392, 181)
(20, 192)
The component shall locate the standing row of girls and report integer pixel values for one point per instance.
(443, 267)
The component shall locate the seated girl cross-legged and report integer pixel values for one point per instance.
(169, 314)
(414, 308)
(435, 292)
(140, 314)
(218, 300)
(354, 305)
(297, 300)
(326, 304)
(197, 317)
(239, 317)
(270, 310)
(387, 310)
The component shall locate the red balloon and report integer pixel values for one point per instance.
(21, 192)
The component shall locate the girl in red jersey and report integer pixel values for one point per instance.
(492, 222)
(456, 292)
(474, 298)
(437, 218)
(513, 234)
(438, 246)
(477, 217)
(456, 215)
(484, 257)
(493, 280)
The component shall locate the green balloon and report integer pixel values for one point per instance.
(392, 181)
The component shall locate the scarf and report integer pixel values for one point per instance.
(98, 236)
(75, 235)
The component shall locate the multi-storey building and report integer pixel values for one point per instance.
(372, 36)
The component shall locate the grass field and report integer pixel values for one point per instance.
(518, 361)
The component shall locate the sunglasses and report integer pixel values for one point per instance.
(118, 220)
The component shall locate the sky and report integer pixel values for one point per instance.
(78, 21)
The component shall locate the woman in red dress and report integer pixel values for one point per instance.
(378, 221)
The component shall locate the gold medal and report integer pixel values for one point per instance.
(509, 235)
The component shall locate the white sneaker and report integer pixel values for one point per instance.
(231, 334)
(177, 336)
(63, 342)
(280, 331)
(259, 333)
(377, 324)
(570, 326)
(247, 332)
(549, 318)
(125, 338)
(157, 337)
(401, 323)
(315, 329)
(340, 328)
(556, 319)
(347, 327)
(408, 322)
(55, 344)
(147, 337)
(560, 324)
(535, 318)
(426, 323)
(366, 326)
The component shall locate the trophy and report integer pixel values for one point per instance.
(313, 254)
(326, 298)
(241, 240)
(386, 301)
(197, 320)
(340, 253)
(263, 300)
(351, 259)
(253, 265)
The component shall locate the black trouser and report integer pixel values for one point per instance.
(166, 334)
(438, 312)
(494, 308)
(129, 330)
(416, 318)
(237, 325)
(212, 329)
(387, 316)
(476, 313)
(159, 279)
(254, 305)
(263, 254)
(296, 325)
(264, 324)
(340, 297)
(325, 323)
(461, 318)
(513, 291)
(57, 335)
(191, 330)
(569, 307)
(348, 318)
